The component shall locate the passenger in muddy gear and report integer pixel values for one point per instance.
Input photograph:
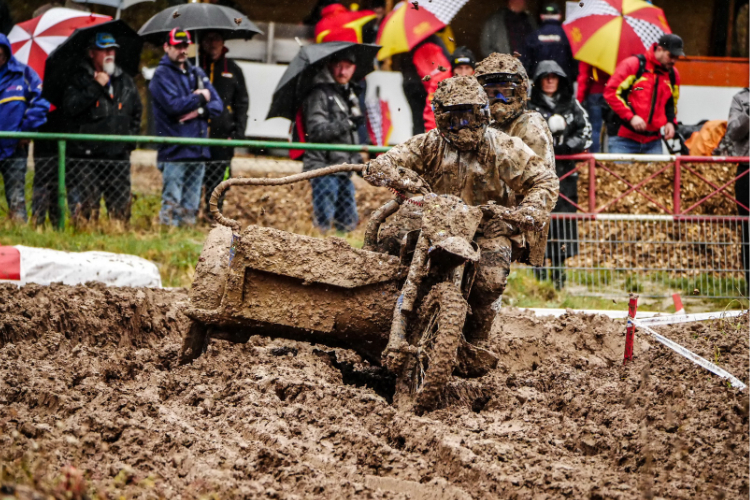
(467, 158)
(504, 79)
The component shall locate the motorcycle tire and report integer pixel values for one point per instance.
(437, 333)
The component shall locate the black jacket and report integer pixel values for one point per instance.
(549, 42)
(327, 113)
(90, 108)
(229, 82)
(575, 138)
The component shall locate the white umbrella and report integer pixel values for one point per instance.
(117, 4)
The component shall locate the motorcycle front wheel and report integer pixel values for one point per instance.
(436, 333)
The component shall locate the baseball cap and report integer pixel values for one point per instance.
(178, 36)
(462, 55)
(672, 43)
(104, 41)
(550, 9)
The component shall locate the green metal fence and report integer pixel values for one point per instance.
(62, 140)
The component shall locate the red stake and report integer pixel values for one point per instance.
(630, 332)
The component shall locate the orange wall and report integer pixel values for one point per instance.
(714, 71)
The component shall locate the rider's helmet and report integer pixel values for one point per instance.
(461, 111)
(505, 80)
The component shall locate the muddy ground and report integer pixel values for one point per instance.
(88, 379)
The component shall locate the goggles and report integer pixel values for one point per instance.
(460, 117)
(500, 87)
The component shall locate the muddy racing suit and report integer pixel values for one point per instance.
(478, 177)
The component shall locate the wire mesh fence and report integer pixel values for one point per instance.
(588, 254)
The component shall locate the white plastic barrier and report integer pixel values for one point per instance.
(44, 266)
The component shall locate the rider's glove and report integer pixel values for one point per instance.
(528, 218)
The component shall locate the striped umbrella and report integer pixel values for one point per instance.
(604, 32)
(411, 22)
(32, 40)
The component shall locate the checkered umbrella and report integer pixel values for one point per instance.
(604, 32)
(411, 22)
(34, 39)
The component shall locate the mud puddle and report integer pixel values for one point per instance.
(89, 379)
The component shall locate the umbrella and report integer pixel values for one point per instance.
(296, 81)
(198, 16)
(411, 22)
(63, 61)
(117, 4)
(32, 40)
(604, 32)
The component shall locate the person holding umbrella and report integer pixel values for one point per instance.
(184, 100)
(101, 98)
(22, 109)
(332, 115)
(229, 82)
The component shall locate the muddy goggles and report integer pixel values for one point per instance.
(462, 116)
(501, 87)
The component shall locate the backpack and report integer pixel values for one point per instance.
(611, 119)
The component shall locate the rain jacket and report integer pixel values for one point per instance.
(737, 126)
(172, 95)
(652, 97)
(326, 112)
(22, 108)
(591, 80)
(425, 60)
(90, 108)
(339, 24)
(549, 42)
(576, 137)
(476, 177)
(227, 78)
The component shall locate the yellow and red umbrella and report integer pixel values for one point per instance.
(604, 32)
(411, 22)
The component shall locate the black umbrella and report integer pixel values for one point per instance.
(296, 82)
(198, 16)
(62, 62)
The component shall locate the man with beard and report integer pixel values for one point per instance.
(467, 158)
(100, 99)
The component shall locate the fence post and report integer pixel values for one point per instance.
(592, 185)
(61, 182)
(676, 208)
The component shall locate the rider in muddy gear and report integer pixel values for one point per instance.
(504, 79)
(467, 158)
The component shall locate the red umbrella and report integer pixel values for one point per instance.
(604, 32)
(34, 39)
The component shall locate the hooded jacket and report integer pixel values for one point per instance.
(22, 108)
(172, 95)
(90, 108)
(652, 97)
(327, 115)
(227, 78)
(549, 42)
(477, 176)
(575, 138)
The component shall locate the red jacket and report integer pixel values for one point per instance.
(339, 24)
(429, 59)
(591, 80)
(652, 97)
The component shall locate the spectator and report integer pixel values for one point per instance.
(737, 132)
(426, 65)
(552, 96)
(44, 198)
(183, 101)
(100, 99)
(506, 30)
(6, 20)
(332, 115)
(591, 83)
(643, 110)
(463, 62)
(22, 109)
(229, 82)
(339, 24)
(549, 42)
